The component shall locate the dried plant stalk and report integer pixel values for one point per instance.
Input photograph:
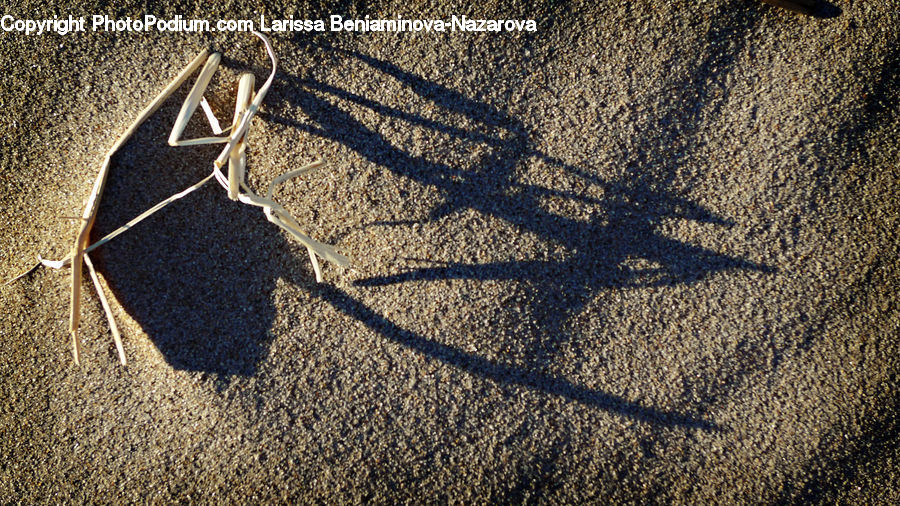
(234, 153)
(117, 338)
(93, 203)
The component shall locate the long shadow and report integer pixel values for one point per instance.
(601, 252)
(198, 276)
(501, 373)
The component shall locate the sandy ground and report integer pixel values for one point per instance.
(648, 252)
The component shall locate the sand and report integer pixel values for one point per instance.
(646, 252)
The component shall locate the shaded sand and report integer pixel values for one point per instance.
(647, 252)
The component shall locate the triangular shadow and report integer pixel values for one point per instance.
(198, 275)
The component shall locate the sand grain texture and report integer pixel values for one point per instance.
(647, 252)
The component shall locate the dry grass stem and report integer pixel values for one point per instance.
(247, 103)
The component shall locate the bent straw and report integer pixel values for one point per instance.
(246, 105)
(190, 105)
(93, 203)
(237, 159)
(254, 106)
